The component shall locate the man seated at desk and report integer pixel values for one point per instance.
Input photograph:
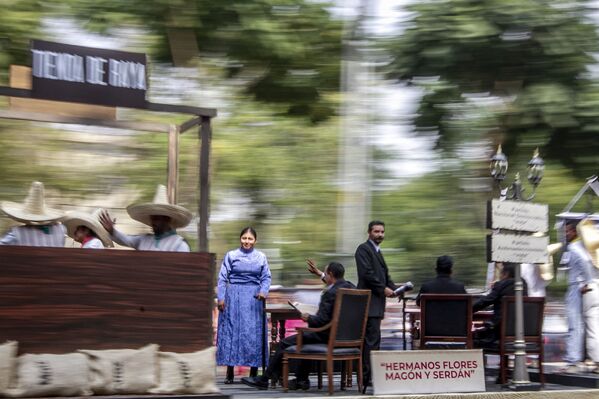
(443, 283)
(489, 334)
(334, 273)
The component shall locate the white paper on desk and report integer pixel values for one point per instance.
(304, 307)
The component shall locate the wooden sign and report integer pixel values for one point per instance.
(64, 72)
(517, 248)
(518, 216)
(427, 371)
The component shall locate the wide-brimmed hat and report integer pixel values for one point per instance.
(33, 210)
(90, 220)
(160, 206)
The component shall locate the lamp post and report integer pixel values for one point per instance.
(536, 168)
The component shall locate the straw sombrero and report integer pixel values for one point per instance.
(160, 206)
(33, 210)
(74, 219)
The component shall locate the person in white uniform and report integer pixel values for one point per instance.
(86, 229)
(162, 216)
(582, 302)
(41, 225)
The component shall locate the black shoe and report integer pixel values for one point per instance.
(229, 381)
(256, 382)
(365, 386)
(294, 384)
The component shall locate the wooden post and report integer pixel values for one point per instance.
(172, 163)
(205, 134)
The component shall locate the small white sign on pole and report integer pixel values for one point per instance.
(430, 371)
(517, 248)
(518, 216)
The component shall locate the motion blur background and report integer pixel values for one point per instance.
(330, 114)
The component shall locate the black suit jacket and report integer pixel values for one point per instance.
(442, 284)
(374, 276)
(324, 315)
(500, 289)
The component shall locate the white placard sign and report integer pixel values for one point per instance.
(517, 248)
(518, 216)
(430, 371)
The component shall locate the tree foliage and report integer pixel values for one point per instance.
(532, 54)
(19, 22)
(288, 50)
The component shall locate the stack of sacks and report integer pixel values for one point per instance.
(106, 372)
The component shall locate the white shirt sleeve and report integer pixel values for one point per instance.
(126, 240)
(9, 239)
(183, 247)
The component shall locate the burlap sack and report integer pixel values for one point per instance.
(8, 356)
(187, 373)
(117, 371)
(51, 375)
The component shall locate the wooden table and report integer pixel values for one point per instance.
(279, 314)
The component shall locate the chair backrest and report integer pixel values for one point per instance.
(533, 318)
(445, 321)
(349, 317)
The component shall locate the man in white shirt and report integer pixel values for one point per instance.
(41, 226)
(161, 216)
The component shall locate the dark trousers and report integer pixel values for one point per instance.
(275, 364)
(372, 342)
(486, 337)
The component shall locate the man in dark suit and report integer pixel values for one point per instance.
(334, 273)
(489, 334)
(373, 275)
(443, 283)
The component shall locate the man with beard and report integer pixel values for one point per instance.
(162, 216)
(373, 275)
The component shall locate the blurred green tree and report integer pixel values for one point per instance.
(19, 22)
(288, 50)
(532, 55)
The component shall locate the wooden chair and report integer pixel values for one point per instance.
(534, 308)
(445, 321)
(346, 336)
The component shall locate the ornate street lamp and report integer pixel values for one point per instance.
(536, 169)
(498, 165)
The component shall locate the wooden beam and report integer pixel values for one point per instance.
(173, 164)
(181, 109)
(185, 126)
(176, 109)
(205, 134)
(132, 125)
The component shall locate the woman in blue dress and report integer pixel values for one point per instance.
(243, 284)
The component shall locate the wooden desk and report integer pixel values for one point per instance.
(279, 313)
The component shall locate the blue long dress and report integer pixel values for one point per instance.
(243, 274)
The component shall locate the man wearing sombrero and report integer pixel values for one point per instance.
(85, 229)
(162, 217)
(41, 224)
